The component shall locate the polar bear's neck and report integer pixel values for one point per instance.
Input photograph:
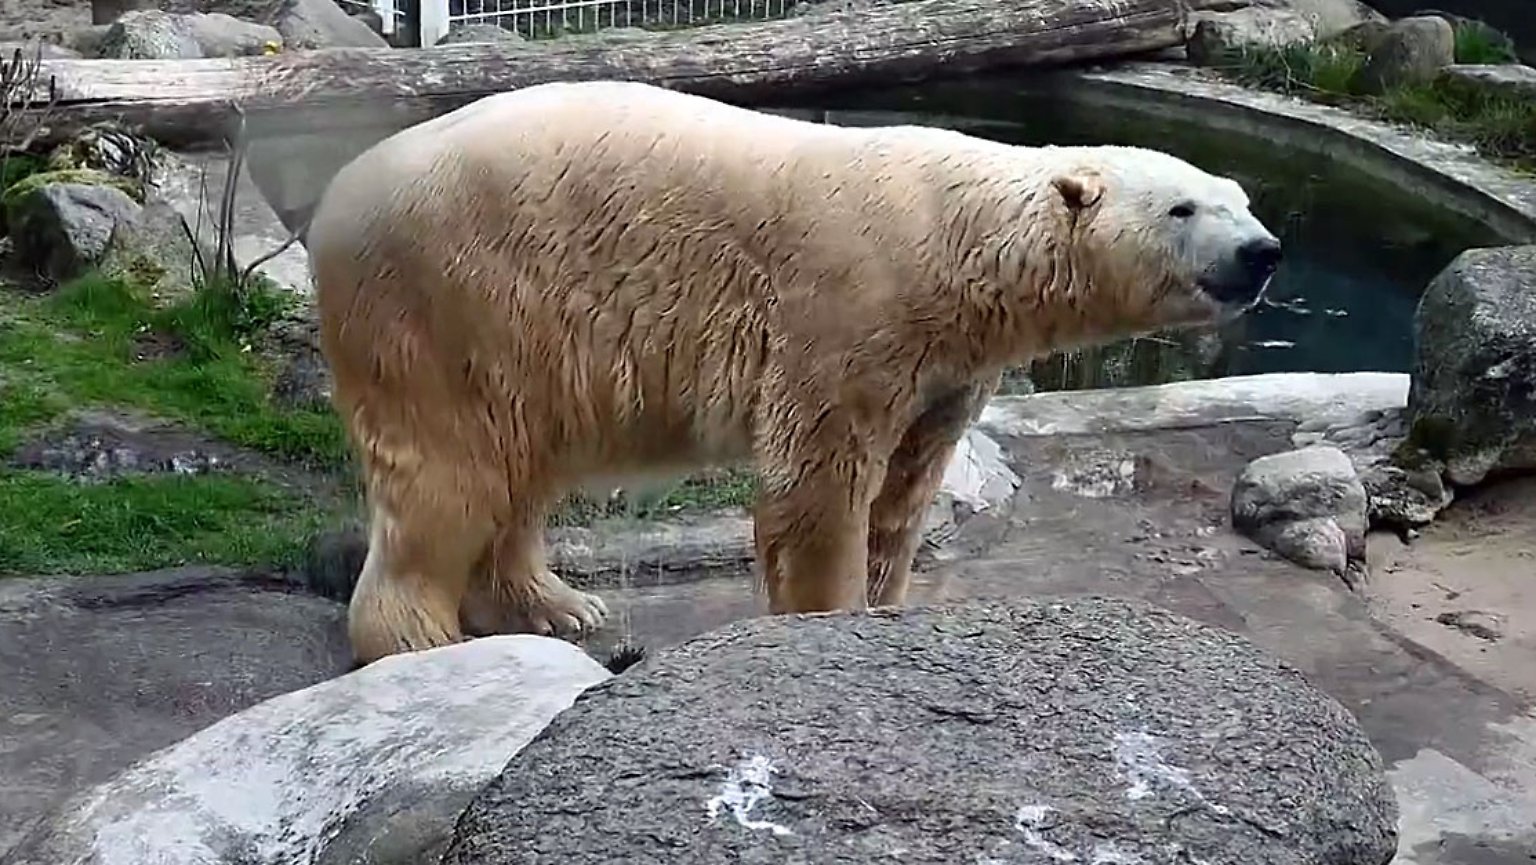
(1008, 246)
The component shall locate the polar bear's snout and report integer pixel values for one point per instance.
(1241, 280)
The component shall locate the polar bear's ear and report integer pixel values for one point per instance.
(1080, 190)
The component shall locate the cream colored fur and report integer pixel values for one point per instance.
(575, 281)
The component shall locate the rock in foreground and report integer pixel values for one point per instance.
(367, 769)
(1472, 404)
(1085, 731)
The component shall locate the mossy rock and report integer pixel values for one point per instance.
(19, 190)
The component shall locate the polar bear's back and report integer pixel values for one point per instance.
(528, 142)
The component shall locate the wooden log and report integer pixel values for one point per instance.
(187, 103)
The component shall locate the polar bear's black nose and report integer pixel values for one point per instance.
(1260, 257)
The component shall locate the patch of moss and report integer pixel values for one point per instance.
(16, 167)
(15, 192)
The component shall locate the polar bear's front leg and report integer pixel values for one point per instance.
(912, 478)
(516, 592)
(414, 577)
(812, 523)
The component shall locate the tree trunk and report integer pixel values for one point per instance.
(188, 103)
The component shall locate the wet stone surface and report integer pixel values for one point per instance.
(1093, 730)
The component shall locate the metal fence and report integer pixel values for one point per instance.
(540, 19)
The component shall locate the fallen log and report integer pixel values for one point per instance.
(188, 103)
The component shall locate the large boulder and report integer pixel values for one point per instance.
(1085, 731)
(63, 229)
(1308, 505)
(101, 672)
(156, 35)
(303, 24)
(365, 769)
(1329, 18)
(1218, 37)
(1510, 79)
(1409, 51)
(1472, 403)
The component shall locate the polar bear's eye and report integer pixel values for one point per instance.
(1182, 211)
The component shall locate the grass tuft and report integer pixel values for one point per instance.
(1502, 125)
(1477, 43)
(99, 341)
(54, 525)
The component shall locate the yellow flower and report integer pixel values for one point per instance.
(270, 47)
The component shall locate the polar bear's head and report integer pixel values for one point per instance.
(1176, 244)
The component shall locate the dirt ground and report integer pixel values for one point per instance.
(1466, 589)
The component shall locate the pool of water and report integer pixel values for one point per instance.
(1359, 252)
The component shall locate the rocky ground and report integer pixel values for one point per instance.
(1137, 509)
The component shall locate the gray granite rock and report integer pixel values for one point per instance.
(1219, 36)
(471, 33)
(1472, 402)
(1410, 51)
(64, 229)
(303, 24)
(1085, 731)
(99, 672)
(1511, 79)
(370, 768)
(1308, 505)
(149, 35)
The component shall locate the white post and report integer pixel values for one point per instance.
(434, 21)
(386, 10)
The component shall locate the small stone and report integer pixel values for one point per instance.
(1411, 51)
(1484, 626)
(333, 560)
(149, 34)
(479, 33)
(1307, 505)
(1402, 498)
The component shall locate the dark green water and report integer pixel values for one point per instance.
(1358, 253)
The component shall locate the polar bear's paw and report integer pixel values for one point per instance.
(553, 609)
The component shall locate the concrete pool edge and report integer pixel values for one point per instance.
(1450, 174)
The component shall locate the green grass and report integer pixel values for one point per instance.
(1500, 124)
(99, 342)
(85, 345)
(82, 346)
(54, 525)
(706, 491)
(1477, 43)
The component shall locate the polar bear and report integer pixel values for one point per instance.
(582, 281)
